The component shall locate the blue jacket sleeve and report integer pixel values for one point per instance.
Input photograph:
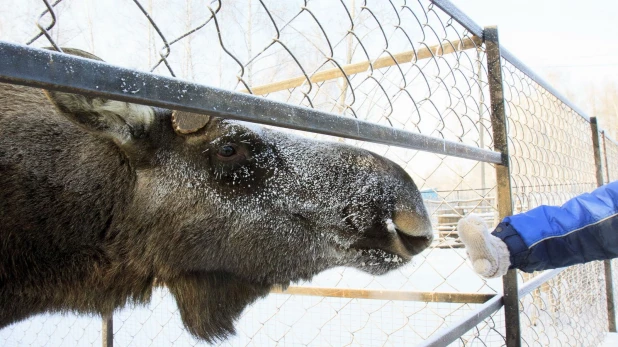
(584, 229)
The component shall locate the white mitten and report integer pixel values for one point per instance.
(488, 254)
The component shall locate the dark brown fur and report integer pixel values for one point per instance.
(98, 206)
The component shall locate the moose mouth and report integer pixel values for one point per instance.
(381, 251)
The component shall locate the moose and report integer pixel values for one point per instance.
(103, 200)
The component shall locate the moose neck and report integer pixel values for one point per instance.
(63, 209)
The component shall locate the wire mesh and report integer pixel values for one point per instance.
(569, 310)
(490, 332)
(404, 64)
(53, 330)
(550, 147)
(551, 156)
(293, 320)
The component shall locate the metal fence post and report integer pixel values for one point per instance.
(503, 176)
(609, 284)
(607, 178)
(107, 330)
(594, 127)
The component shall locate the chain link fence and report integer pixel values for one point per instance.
(408, 65)
(552, 160)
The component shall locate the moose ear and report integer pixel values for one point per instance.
(117, 120)
(187, 122)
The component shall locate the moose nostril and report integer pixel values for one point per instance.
(412, 224)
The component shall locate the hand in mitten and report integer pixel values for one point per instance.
(488, 254)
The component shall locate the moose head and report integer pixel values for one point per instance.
(101, 200)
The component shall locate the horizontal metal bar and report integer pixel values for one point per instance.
(470, 298)
(540, 81)
(52, 70)
(452, 333)
(449, 334)
(459, 16)
(537, 281)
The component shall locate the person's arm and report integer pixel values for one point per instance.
(584, 229)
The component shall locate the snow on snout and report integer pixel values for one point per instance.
(390, 226)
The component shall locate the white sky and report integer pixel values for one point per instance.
(575, 39)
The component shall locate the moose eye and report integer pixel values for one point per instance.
(226, 151)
